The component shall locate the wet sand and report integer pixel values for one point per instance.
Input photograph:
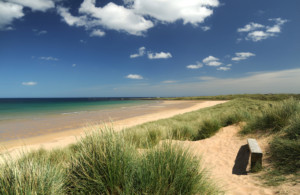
(59, 131)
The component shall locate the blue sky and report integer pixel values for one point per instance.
(88, 48)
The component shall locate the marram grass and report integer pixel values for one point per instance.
(32, 174)
(108, 164)
(104, 162)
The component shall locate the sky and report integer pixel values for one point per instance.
(148, 48)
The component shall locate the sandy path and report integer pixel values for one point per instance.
(218, 155)
(65, 138)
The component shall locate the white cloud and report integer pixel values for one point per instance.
(49, 58)
(72, 20)
(82, 41)
(214, 63)
(116, 17)
(242, 56)
(229, 65)
(35, 5)
(257, 32)
(196, 66)
(258, 35)
(250, 27)
(223, 68)
(142, 51)
(137, 16)
(205, 28)
(169, 82)
(8, 13)
(30, 83)
(134, 76)
(161, 55)
(13, 9)
(192, 11)
(74, 65)
(211, 61)
(97, 33)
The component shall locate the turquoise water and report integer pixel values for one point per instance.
(32, 107)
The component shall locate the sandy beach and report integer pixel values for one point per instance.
(120, 119)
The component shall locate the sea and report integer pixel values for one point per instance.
(22, 108)
(29, 117)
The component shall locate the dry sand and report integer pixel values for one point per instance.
(218, 156)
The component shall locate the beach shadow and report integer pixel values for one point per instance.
(241, 161)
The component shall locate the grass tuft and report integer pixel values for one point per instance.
(107, 163)
(286, 155)
(208, 128)
(274, 118)
(32, 174)
(170, 169)
(103, 165)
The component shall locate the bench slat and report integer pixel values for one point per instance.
(253, 145)
(256, 154)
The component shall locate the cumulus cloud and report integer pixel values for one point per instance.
(73, 20)
(211, 61)
(30, 83)
(224, 68)
(35, 5)
(97, 33)
(11, 10)
(257, 32)
(134, 76)
(250, 27)
(161, 55)
(242, 56)
(116, 17)
(210, 58)
(214, 63)
(142, 51)
(192, 11)
(195, 66)
(8, 13)
(137, 16)
(49, 58)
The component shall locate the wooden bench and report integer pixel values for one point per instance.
(256, 154)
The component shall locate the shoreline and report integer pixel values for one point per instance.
(61, 139)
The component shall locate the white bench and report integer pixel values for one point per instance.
(256, 154)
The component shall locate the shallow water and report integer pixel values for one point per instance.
(22, 118)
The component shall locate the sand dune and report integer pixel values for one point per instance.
(219, 154)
